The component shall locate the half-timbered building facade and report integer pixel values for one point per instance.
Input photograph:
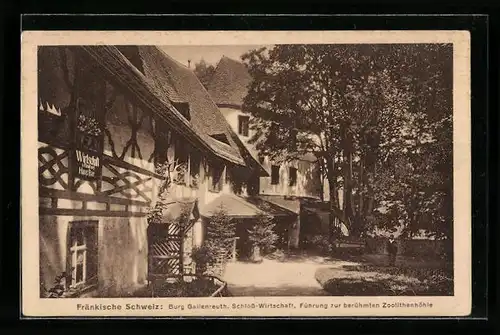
(107, 116)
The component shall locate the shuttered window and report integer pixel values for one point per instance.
(217, 174)
(275, 174)
(292, 176)
(243, 125)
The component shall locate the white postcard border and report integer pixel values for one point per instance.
(457, 305)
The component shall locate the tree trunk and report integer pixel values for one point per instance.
(333, 233)
(348, 199)
(331, 176)
(321, 181)
(359, 214)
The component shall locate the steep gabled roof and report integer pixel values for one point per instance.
(228, 87)
(229, 83)
(174, 82)
(249, 155)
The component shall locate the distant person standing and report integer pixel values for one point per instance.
(392, 249)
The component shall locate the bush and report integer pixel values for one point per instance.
(321, 244)
(57, 290)
(221, 227)
(220, 231)
(262, 233)
(277, 254)
(203, 256)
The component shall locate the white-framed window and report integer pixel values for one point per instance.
(82, 253)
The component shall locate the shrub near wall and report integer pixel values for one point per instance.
(213, 255)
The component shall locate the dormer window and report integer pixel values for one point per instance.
(132, 54)
(243, 124)
(183, 108)
(221, 137)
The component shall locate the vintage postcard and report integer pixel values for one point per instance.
(246, 173)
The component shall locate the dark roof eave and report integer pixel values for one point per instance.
(227, 105)
(117, 66)
(236, 216)
(250, 161)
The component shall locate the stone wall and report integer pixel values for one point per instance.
(122, 252)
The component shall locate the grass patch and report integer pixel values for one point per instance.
(373, 280)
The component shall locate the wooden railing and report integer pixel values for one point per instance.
(222, 290)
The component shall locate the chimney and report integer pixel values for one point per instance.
(189, 63)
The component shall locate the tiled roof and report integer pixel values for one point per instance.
(292, 205)
(229, 83)
(239, 207)
(233, 205)
(174, 82)
(229, 86)
(270, 207)
(249, 155)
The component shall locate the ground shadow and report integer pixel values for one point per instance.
(373, 280)
(196, 288)
(308, 256)
(276, 291)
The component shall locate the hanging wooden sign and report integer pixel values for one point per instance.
(87, 151)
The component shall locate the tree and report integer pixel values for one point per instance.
(204, 72)
(221, 229)
(355, 107)
(262, 235)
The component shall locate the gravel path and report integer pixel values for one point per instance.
(276, 278)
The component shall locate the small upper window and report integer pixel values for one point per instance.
(243, 124)
(131, 52)
(292, 176)
(183, 108)
(275, 174)
(221, 137)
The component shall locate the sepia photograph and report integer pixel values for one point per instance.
(225, 171)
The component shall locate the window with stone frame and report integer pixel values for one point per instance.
(82, 255)
(243, 125)
(275, 174)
